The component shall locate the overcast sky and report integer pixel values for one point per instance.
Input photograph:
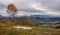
(28, 7)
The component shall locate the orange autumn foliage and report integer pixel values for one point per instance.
(12, 8)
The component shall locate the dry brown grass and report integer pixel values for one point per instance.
(6, 29)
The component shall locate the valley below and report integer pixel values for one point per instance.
(29, 26)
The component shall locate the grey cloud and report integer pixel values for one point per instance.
(51, 4)
(23, 5)
(30, 10)
(2, 6)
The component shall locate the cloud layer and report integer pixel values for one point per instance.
(28, 7)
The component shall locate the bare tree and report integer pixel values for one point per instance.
(11, 10)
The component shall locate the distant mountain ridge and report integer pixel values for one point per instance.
(34, 19)
(36, 15)
(45, 16)
(1, 16)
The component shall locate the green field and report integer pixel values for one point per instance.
(7, 29)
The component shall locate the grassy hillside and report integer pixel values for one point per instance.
(7, 29)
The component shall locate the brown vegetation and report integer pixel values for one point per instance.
(26, 21)
(57, 25)
(12, 8)
(2, 21)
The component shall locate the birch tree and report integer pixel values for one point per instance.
(12, 11)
